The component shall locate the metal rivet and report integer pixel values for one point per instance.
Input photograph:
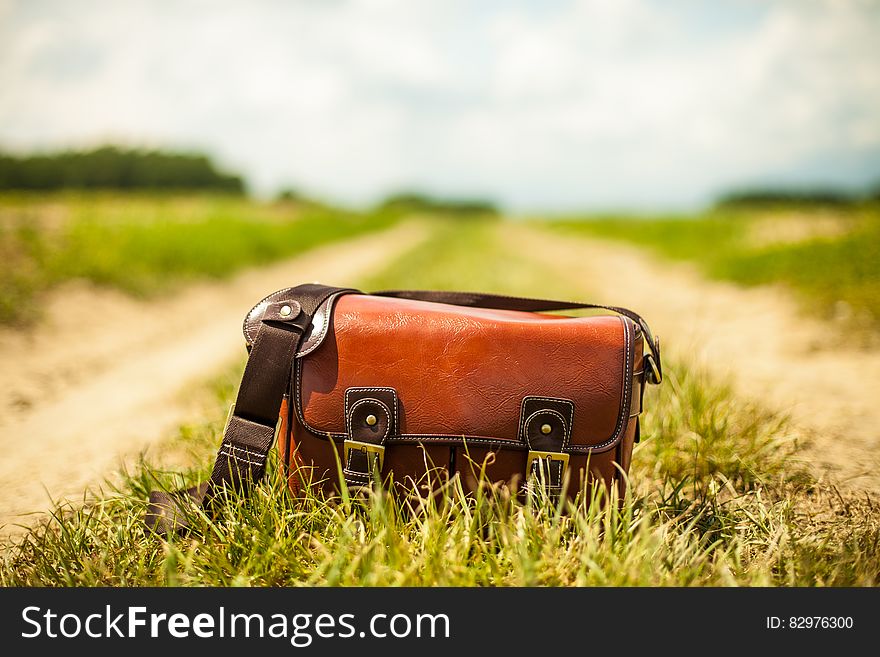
(546, 428)
(285, 311)
(371, 420)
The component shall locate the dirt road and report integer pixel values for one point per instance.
(758, 337)
(105, 375)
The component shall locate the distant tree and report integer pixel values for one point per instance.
(419, 202)
(293, 195)
(288, 194)
(784, 196)
(111, 167)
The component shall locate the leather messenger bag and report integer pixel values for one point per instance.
(415, 387)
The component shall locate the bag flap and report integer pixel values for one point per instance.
(461, 373)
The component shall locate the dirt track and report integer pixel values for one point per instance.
(758, 337)
(104, 375)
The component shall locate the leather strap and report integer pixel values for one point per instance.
(370, 418)
(653, 371)
(546, 429)
(250, 430)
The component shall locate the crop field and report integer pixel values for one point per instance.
(721, 492)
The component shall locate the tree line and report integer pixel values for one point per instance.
(111, 167)
(418, 202)
(769, 196)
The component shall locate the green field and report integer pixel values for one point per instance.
(829, 255)
(151, 244)
(717, 498)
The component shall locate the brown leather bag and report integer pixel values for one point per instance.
(416, 387)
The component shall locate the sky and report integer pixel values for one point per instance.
(540, 105)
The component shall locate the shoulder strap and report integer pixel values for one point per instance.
(250, 429)
(654, 373)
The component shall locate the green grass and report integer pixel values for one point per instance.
(148, 245)
(836, 273)
(717, 497)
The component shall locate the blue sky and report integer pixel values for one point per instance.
(554, 105)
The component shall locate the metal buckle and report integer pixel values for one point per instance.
(549, 456)
(656, 377)
(366, 448)
(651, 358)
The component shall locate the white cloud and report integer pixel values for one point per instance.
(561, 104)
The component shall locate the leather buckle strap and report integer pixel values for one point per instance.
(370, 417)
(545, 426)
